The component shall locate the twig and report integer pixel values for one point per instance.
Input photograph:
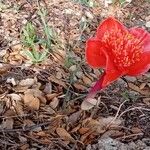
(138, 108)
(129, 136)
(27, 128)
(116, 114)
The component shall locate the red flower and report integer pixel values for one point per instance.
(120, 51)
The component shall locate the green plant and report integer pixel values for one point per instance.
(49, 33)
(31, 41)
(88, 3)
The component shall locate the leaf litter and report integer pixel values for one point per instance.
(40, 104)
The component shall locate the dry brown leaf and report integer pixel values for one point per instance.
(142, 86)
(16, 47)
(8, 123)
(4, 68)
(100, 125)
(19, 108)
(84, 130)
(32, 102)
(27, 82)
(48, 88)
(59, 56)
(22, 139)
(136, 130)
(36, 93)
(14, 97)
(73, 118)
(112, 133)
(54, 103)
(89, 103)
(64, 135)
(79, 86)
(85, 137)
(76, 128)
(146, 101)
(86, 80)
(58, 81)
(137, 89)
(51, 96)
(24, 147)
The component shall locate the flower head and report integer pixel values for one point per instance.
(119, 50)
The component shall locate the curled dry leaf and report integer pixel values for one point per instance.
(32, 102)
(48, 88)
(51, 96)
(16, 102)
(89, 103)
(137, 89)
(100, 125)
(57, 81)
(64, 135)
(27, 82)
(73, 118)
(4, 68)
(147, 101)
(87, 80)
(14, 97)
(54, 103)
(79, 86)
(36, 93)
(8, 123)
(59, 56)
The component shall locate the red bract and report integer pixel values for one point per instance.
(119, 50)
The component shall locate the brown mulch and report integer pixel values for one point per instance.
(40, 104)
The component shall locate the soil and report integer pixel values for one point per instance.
(40, 104)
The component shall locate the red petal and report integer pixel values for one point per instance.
(104, 80)
(112, 73)
(110, 77)
(142, 66)
(143, 35)
(94, 53)
(109, 24)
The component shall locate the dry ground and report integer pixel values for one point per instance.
(40, 103)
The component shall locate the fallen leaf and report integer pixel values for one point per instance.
(89, 103)
(14, 97)
(4, 68)
(64, 135)
(54, 103)
(79, 86)
(137, 89)
(8, 123)
(51, 96)
(83, 130)
(48, 88)
(73, 118)
(58, 81)
(27, 82)
(99, 126)
(36, 93)
(32, 102)
(146, 101)
(142, 86)
(86, 80)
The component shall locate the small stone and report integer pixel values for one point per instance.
(147, 24)
(73, 68)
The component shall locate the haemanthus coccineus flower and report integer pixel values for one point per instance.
(119, 50)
